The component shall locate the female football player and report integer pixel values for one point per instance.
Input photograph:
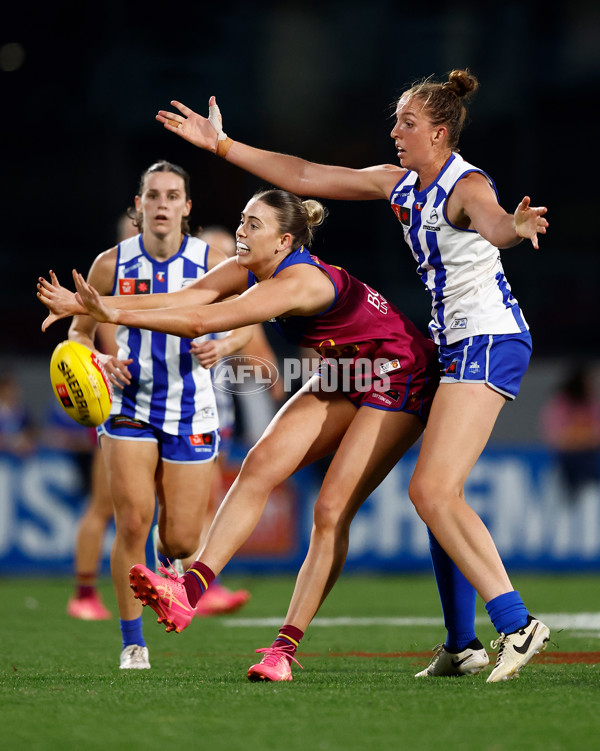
(454, 225)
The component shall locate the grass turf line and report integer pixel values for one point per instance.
(60, 686)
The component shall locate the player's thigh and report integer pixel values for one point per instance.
(372, 445)
(131, 468)
(100, 498)
(460, 423)
(183, 492)
(308, 427)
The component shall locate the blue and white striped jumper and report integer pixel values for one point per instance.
(169, 389)
(462, 271)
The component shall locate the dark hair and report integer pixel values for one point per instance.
(442, 102)
(162, 166)
(295, 216)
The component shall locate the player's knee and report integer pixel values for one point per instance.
(132, 526)
(328, 517)
(179, 544)
(257, 467)
(425, 493)
(430, 495)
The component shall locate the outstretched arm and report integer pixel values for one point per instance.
(223, 280)
(474, 199)
(288, 172)
(295, 291)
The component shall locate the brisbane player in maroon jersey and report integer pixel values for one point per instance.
(368, 404)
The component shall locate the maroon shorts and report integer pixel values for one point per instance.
(401, 391)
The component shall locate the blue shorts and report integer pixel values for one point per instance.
(178, 449)
(499, 360)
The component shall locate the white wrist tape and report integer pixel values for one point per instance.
(215, 119)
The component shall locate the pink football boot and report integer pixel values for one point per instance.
(276, 665)
(165, 594)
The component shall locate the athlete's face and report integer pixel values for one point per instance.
(163, 203)
(414, 135)
(259, 239)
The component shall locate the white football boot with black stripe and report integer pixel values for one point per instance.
(470, 661)
(516, 649)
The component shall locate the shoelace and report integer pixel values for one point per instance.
(272, 655)
(170, 572)
(499, 643)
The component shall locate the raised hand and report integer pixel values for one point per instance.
(91, 301)
(58, 299)
(529, 221)
(193, 127)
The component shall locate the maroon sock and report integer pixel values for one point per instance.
(196, 580)
(85, 590)
(289, 637)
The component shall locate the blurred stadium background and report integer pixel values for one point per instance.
(81, 85)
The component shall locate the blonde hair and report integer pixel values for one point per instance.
(443, 102)
(297, 217)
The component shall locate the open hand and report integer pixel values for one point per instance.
(191, 126)
(91, 301)
(58, 299)
(529, 221)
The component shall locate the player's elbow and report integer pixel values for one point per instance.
(196, 327)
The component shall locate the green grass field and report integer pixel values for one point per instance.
(60, 686)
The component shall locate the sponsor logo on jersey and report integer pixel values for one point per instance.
(403, 213)
(387, 367)
(459, 323)
(201, 439)
(418, 205)
(134, 286)
(430, 228)
(160, 276)
(433, 216)
(382, 398)
(133, 267)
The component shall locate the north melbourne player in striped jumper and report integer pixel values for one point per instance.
(454, 225)
(161, 439)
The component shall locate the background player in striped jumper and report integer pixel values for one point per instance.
(161, 439)
(454, 225)
(369, 414)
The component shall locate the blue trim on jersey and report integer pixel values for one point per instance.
(163, 264)
(189, 387)
(509, 301)
(397, 185)
(158, 348)
(492, 184)
(300, 255)
(134, 338)
(435, 259)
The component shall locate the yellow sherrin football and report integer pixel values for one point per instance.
(80, 384)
